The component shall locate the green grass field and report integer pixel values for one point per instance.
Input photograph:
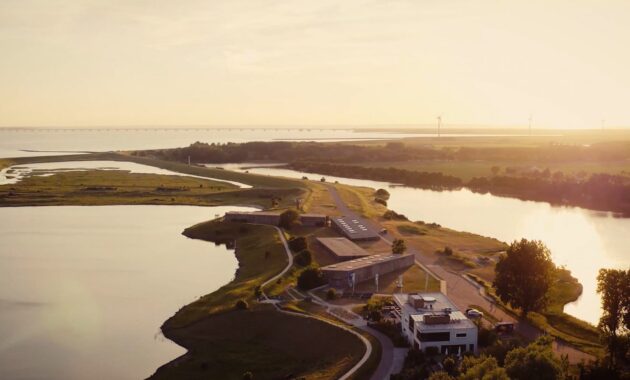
(466, 170)
(113, 187)
(270, 344)
(260, 255)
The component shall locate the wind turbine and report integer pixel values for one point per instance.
(530, 124)
(439, 124)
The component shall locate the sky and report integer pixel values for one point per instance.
(350, 62)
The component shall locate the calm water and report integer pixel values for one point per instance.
(580, 239)
(14, 143)
(84, 290)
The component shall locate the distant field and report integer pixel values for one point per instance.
(467, 170)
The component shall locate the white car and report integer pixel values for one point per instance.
(474, 313)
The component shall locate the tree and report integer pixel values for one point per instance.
(304, 258)
(288, 218)
(399, 246)
(382, 193)
(242, 305)
(483, 367)
(614, 324)
(310, 278)
(331, 294)
(524, 275)
(298, 243)
(534, 362)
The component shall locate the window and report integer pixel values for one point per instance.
(460, 335)
(434, 337)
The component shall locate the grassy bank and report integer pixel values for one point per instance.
(224, 342)
(260, 255)
(270, 344)
(114, 187)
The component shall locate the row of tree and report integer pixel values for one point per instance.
(524, 276)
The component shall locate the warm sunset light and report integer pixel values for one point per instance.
(330, 190)
(487, 62)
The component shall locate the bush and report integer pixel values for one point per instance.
(399, 246)
(310, 278)
(432, 351)
(393, 215)
(304, 258)
(242, 305)
(298, 243)
(288, 218)
(381, 201)
(447, 251)
(382, 193)
(331, 294)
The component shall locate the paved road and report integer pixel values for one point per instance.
(366, 343)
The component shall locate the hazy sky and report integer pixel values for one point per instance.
(152, 62)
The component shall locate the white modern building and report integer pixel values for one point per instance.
(431, 320)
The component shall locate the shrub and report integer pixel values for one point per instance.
(432, 351)
(304, 258)
(288, 218)
(331, 294)
(393, 215)
(242, 305)
(399, 246)
(298, 243)
(310, 278)
(382, 193)
(381, 201)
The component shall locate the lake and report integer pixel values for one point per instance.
(580, 239)
(84, 290)
(26, 142)
(46, 141)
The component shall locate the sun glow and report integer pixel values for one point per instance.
(485, 62)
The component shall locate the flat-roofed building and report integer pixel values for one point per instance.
(339, 275)
(313, 220)
(342, 248)
(431, 321)
(354, 228)
(258, 217)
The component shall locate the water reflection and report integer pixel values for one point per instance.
(84, 290)
(580, 239)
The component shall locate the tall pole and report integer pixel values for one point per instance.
(439, 124)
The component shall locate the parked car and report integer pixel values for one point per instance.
(474, 313)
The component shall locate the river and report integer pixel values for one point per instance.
(84, 290)
(582, 240)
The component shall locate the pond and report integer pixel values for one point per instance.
(84, 290)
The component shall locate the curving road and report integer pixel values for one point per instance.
(366, 343)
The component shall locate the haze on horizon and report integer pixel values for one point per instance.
(236, 62)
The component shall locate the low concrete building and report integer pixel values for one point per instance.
(431, 321)
(340, 275)
(354, 228)
(342, 248)
(313, 220)
(258, 217)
